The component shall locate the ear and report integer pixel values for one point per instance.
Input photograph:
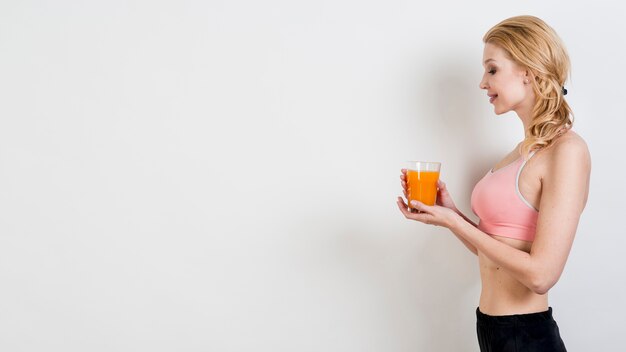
(529, 76)
(532, 75)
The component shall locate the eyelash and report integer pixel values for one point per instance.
(493, 71)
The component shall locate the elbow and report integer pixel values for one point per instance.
(540, 289)
(541, 283)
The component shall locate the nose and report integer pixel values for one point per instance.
(483, 83)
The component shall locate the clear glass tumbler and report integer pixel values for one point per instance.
(422, 177)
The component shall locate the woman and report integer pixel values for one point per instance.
(530, 203)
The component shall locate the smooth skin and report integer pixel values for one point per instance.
(516, 275)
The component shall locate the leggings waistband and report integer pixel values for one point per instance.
(515, 319)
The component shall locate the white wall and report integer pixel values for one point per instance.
(221, 176)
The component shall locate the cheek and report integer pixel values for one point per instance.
(513, 91)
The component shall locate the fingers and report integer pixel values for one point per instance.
(417, 206)
(421, 217)
(424, 213)
(404, 185)
(420, 206)
(441, 187)
(404, 208)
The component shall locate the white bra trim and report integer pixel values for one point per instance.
(519, 172)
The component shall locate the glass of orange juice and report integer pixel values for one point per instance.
(422, 177)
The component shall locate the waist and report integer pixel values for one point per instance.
(502, 294)
(515, 319)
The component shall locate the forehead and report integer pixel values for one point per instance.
(494, 52)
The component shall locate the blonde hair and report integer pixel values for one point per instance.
(534, 45)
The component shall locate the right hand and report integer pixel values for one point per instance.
(443, 196)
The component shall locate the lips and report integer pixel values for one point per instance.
(492, 97)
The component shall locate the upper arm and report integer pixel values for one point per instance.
(563, 198)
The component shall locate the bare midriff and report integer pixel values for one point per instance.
(501, 293)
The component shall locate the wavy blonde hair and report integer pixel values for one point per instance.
(535, 46)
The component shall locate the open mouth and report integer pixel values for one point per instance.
(492, 98)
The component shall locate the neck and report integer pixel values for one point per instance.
(526, 115)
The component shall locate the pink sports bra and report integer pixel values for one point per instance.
(502, 209)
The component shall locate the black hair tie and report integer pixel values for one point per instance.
(564, 90)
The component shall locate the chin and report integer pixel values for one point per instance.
(500, 111)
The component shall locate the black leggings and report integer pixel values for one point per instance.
(536, 332)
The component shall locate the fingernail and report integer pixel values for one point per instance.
(413, 202)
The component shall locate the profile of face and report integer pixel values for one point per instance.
(507, 84)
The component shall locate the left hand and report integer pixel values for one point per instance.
(430, 215)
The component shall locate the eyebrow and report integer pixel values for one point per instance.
(486, 61)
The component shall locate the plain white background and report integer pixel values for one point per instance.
(221, 175)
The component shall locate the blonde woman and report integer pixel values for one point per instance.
(529, 204)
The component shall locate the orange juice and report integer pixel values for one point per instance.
(422, 186)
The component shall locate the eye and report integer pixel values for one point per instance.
(492, 71)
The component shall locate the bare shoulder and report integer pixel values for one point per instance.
(570, 151)
(568, 168)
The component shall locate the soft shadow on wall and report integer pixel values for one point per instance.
(411, 282)
(449, 280)
(416, 283)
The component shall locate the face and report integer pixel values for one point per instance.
(507, 84)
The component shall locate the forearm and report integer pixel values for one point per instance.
(465, 217)
(467, 244)
(516, 262)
